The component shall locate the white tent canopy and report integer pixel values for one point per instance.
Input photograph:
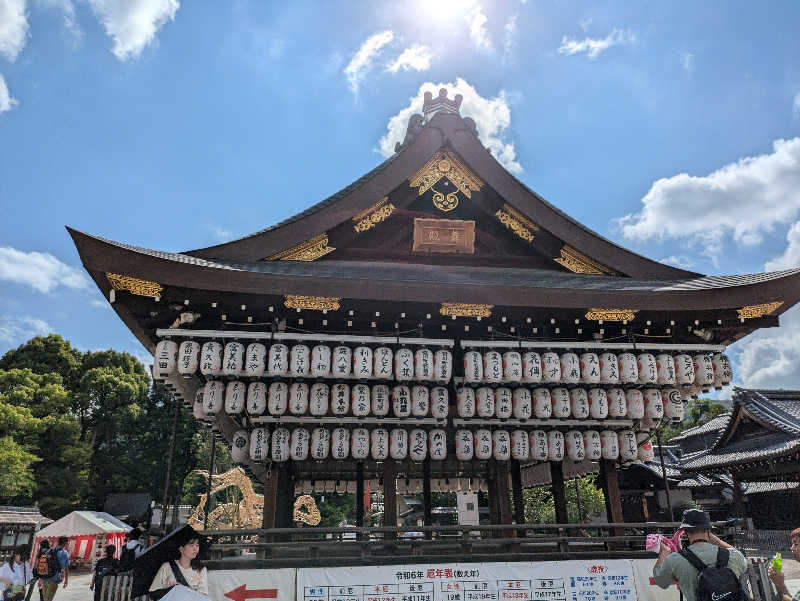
(83, 523)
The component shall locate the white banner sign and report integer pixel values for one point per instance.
(255, 585)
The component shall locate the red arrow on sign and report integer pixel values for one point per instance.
(242, 594)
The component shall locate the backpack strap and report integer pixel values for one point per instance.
(693, 559)
(178, 574)
(722, 557)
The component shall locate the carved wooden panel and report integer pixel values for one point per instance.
(444, 236)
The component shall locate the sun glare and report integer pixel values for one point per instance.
(442, 11)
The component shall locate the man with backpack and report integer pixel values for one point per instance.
(131, 551)
(52, 567)
(708, 569)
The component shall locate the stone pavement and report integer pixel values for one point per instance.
(77, 590)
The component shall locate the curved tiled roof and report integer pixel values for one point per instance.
(718, 423)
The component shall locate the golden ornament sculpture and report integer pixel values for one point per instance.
(311, 514)
(577, 262)
(445, 164)
(611, 314)
(515, 221)
(374, 215)
(246, 513)
(465, 310)
(752, 311)
(315, 303)
(310, 250)
(135, 285)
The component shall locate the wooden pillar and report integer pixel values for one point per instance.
(210, 479)
(359, 495)
(502, 492)
(426, 494)
(389, 496)
(283, 497)
(738, 499)
(494, 506)
(559, 492)
(516, 492)
(270, 498)
(611, 490)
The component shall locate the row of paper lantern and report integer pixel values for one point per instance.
(302, 361)
(403, 485)
(300, 444)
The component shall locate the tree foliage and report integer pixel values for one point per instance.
(698, 412)
(584, 499)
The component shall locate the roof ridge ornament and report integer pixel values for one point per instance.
(430, 107)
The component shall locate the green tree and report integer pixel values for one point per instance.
(584, 499)
(16, 477)
(698, 412)
(46, 355)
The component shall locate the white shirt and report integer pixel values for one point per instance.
(137, 546)
(20, 575)
(196, 579)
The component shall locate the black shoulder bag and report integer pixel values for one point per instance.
(158, 593)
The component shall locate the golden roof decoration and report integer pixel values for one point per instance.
(517, 222)
(752, 311)
(369, 218)
(314, 303)
(466, 310)
(445, 164)
(611, 314)
(310, 250)
(577, 262)
(134, 285)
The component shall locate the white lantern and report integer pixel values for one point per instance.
(240, 446)
(340, 399)
(485, 402)
(635, 403)
(420, 401)
(551, 368)
(628, 450)
(473, 367)
(398, 443)
(443, 366)
(609, 445)
(423, 365)
(617, 403)
(256, 399)
(653, 403)
(574, 443)
(492, 367)
(298, 398)
(340, 443)
(359, 395)
(277, 398)
(503, 403)
(501, 445)
(382, 361)
(401, 400)
(418, 444)
(379, 444)
(235, 397)
(523, 404)
(561, 403)
(646, 364)
(684, 370)
(531, 367)
(380, 400)
(342, 362)
(520, 446)
(362, 362)
(590, 368)
(211, 359)
(673, 404)
(570, 368)
(483, 444)
(542, 403)
(213, 397)
(665, 369)
(280, 444)
(437, 444)
(579, 403)
(723, 372)
(440, 402)
(278, 358)
(233, 359)
(298, 445)
(598, 403)
(592, 445)
(255, 360)
(188, 357)
(538, 445)
(645, 452)
(300, 361)
(320, 399)
(321, 361)
(512, 366)
(404, 365)
(259, 444)
(166, 359)
(464, 445)
(359, 444)
(555, 446)
(609, 369)
(320, 443)
(198, 411)
(465, 402)
(703, 370)
(628, 369)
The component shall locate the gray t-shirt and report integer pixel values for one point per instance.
(677, 567)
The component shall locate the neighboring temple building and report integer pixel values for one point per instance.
(412, 271)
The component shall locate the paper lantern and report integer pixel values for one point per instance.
(342, 362)
(492, 367)
(560, 401)
(233, 359)
(617, 403)
(420, 401)
(503, 403)
(703, 370)
(321, 361)
(213, 397)
(340, 398)
(278, 361)
(188, 357)
(198, 411)
(259, 444)
(319, 486)
(628, 368)
(538, 445)
(673, 404)
(360, 401)
(723, 372)
(465, 402)
(579, 403)
(523, 403)
(340, 443)
(590, 368)
(598, 403)
(531, 367)
(665, 369)
(404, 365)
(501, 445)
(634, 399)
(555, 446)
(379, 444)
(520, 446)
(319, 400)
(382, 362)
(609, 445)
(542, 403)
(320, 443)
(570, 368)
(551, 368)
(362, 362)
(512, 366)
(235, 397)
(255, 360)
(165, 359)
(240, 446)
(592, 446)
(359, 444)
(648, 373)
(211, 359)
(484, 401)
(401, 400)
(440, 402)
(473, 367)
(417, 444)
(398, 443)
(653, 403)
(298, 444)
(423, 365)
(628, 450)
(573, 441)
(609, 368)
(684, 370)
(437, 444)
(380, 400)
(645, 452)
(300, 361)
(443, 366)
(464, 445)
(298, 398)
(280, 444)
(483, 444)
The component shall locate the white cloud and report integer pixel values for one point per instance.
(687, 61)
(6, 101)
(41, 271)
(13, 28)
(492, 117)
(363, 59)
(510, 39)
(796, 106)
(16, 330)
(770, 358)
(133, 24)
(478, 34)
(679, 261)
(222, 234)
(791, 256)
(67, 9)
(744, 199)
(416, 57)
(594, 47)
(100, 303)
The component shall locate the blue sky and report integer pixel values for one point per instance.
(671, 128)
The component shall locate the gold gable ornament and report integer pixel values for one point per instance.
(577, 262)
(374, 215)
(314, 303)
(753, 311)
(445, 164)
(311, 514)
(515, 221)
(611, 314)
(135, 285)
(310, 250)
(466, 310)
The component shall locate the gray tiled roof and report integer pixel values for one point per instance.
(718, 423)
(763, 447)
(754, 488)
